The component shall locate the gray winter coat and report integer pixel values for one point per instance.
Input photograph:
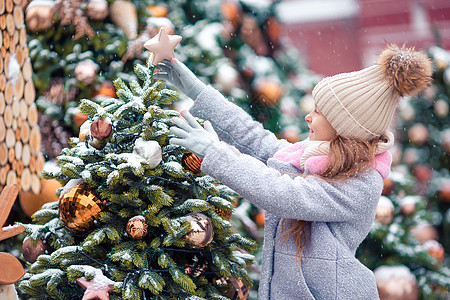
(341, 213)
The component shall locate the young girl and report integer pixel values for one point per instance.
(320, 195)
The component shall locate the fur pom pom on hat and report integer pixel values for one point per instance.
(362, 103)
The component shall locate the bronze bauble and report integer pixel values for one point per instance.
(137, 227)
(31, 251)
(191, 162)
(234, 288)
(79, 208)
(202, 231)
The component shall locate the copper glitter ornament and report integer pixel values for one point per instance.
(384, 211)
(202, 231)
(234, 288)
(101, 129)
(197, 266)
(191, 162)
(224, 214)
(79, 208)
(31, 251)
(396, 282)
(137, 227)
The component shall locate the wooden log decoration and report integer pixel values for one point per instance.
(21, 160)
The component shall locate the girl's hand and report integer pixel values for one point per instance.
(180, 76)
(192, 135)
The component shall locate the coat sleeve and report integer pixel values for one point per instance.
(304, 198)
(235, 126)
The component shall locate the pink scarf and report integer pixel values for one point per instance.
(316, 161)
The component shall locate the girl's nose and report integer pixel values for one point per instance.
(308, 118)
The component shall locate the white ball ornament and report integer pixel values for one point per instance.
(149, 150)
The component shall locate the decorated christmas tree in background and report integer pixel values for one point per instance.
(409, 244)
(136, 219)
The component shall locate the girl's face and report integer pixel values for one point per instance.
(319, 127)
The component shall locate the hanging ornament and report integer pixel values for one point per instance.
(85, 131)
(252, 35)
(101, 129)
(441, 108)
(98, 287)
(435, 250)
(384, 211)
(31, 251)
(31, 202)
(97, 9)
(226, 78)
(231, 11)
(148, 150)
(191, 162)
(124, 15)
(162, 45)
(224, 214)
(444, 191)
(79, 118)
(423, 173)
(418, 134)
(424, 231)
(408, 205)
(137, 227)
(159, 10)
(273, 30)
(396, 283)
(107, 89)
(291, 134)
(388, 186)
(39, 16)
(260, 218)
(86, 71)
(410, 156)
(445, 138)
(79, 209)
(268, 91)
(233, 288)
(197, 266)
(202, 231)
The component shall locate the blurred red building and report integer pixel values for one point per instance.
(345, 35)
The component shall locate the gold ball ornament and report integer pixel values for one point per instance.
(31, 251)
(191, 162)
(97, 9)
(388, 186)
(233, 288)
(196, 267)
(85, 131)
(445, 138)
(291, 134)
(31, 202)
(38, 16)
(79, 209)
(444, 191)
(441, 108)
(86, 71)
(435, 250)
(384, 211)
(137, 227)
(423, 173)
(424, 232)
(418, 134)
(231, 11)
(224, 214)
(408, 205)
(269, 92)
(158, 10)
(202, 231)
(396, 283)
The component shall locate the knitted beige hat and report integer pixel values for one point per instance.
(362, 103)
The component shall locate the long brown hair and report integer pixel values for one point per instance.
(348, 157)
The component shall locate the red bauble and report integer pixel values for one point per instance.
(31, 251)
